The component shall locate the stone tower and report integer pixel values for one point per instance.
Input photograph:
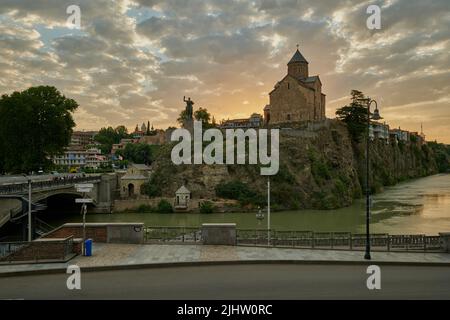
(298, 66)
(296, 97)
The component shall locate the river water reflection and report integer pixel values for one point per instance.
(420, 206)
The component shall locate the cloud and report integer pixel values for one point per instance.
(134, 60)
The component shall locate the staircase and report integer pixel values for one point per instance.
(41, 227)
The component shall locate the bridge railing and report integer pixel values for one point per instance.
(22, 188)
(301, 239)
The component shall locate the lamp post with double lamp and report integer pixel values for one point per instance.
(370, 116)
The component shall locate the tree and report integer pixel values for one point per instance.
(139, 152)
(182, 117)
(109, 136)
(202, 115)
(354, 115)
(35, 124)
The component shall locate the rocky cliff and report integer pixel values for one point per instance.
(320, 167)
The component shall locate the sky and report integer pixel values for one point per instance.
(132, 61)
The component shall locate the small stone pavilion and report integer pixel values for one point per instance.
(182, 197)
(131, 182)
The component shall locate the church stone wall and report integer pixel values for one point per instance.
(291, 102)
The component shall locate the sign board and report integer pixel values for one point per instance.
(84, 187)
(83, 200)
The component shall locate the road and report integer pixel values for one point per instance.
(276, 281)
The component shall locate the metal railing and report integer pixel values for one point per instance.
(22, 187)
(301, 239)
(339, 240)
(172, 234)
(52, 250)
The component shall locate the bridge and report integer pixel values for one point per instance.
(14, 192)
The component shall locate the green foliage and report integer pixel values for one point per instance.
(354, 115)
(320, 170)
(206, 207)
(284, 175)
(340, 187)
(231, 190)
(151, 188)
(109, 136)
(35, 124)
(442, 155)
(238, 190)
(144, 208)
(202, 114)
(139, 152)
(164, 207)
(101, 169)
(319, 167)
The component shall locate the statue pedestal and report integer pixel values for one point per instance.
(189, 125)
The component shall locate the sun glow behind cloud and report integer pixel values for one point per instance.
(134, 60)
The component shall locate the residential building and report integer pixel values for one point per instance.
(79, 157)
(255, 121)
(83, 138)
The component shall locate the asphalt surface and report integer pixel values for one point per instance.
(266, 281)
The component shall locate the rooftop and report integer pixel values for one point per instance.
(297, 57)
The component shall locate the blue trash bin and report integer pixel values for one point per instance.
(88, 247)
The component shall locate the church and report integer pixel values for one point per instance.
(296, 97)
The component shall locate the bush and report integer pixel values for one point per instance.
(143, 208)
(151, 189)
(206, 207)
(231, 190)
(164, 207)
(238, 190)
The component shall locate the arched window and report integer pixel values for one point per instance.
(288, 117)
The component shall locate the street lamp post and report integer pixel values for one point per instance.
(268, 211)
(374, 116)
(30, 236)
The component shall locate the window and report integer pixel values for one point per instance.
(288, 117)
(288, 85)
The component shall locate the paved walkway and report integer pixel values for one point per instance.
(122, 255)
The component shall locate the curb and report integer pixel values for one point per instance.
(223, 262)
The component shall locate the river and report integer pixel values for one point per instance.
(420, 206)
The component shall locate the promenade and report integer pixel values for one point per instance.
(123, 256)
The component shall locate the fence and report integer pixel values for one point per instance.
(339, 240)
(302, 239)
(172, 234)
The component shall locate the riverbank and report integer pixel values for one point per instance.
(420, 206)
